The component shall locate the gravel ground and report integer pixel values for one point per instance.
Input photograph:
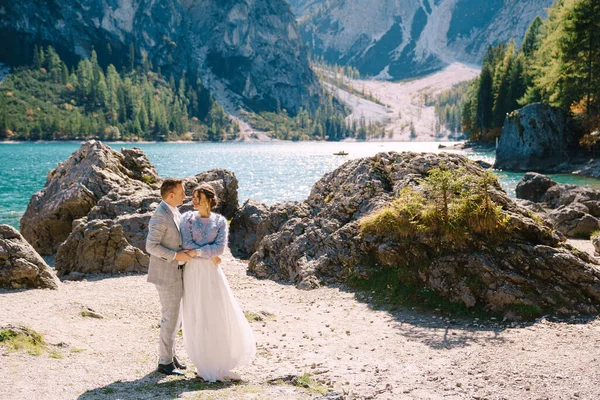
(336, 339)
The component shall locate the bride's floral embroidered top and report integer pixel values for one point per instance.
(208, 236)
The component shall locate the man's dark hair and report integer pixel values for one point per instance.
(168, 186)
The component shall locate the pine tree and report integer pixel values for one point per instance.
(501, 86)
(531, 41)
(64, 74)
(484, 101)
(38, 57)
(581, 54)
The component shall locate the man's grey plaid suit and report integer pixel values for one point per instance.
(163, 242)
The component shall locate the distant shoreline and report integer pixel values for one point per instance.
(351, 140)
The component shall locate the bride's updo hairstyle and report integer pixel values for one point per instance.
(209, 192)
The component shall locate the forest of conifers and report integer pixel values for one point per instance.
(48, 101)
(558, 63)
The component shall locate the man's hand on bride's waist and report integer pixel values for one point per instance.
(194, 253)
(191, 253)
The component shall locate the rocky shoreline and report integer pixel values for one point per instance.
(93, 212)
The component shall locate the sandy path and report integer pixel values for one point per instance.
(340, 340)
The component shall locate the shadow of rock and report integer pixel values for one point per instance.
(439, 329)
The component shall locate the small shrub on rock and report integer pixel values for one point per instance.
(450, 210)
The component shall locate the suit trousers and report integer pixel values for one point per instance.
(170, 302)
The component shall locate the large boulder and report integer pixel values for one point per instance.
(565, 194)
(574, 221)
(317, 236)
(99, 246)
(225, 184)
(254, 221)
(112, 237)
(20, 265)
(244, 228)
(533, 186)
(321, 240)
(74, 187)
(536, 137)
(95, 208)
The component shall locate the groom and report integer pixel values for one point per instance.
(166, 270)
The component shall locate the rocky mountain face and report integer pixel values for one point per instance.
(302, 8)
(395, 39)
(246, 52)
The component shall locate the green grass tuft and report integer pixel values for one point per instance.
(306, 381)
(252, 317)
(21, 338)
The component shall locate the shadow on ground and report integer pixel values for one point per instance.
(155, 386)
(441, 329)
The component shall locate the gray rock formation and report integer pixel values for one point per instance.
(225, 184)
(573, 210)
(574, 221)
(536, 137)
(254, 221)
(74, 187)
(596, 244)
(99, 246)
(109, 234)
(244, 52)
(244, 228)
(20, 265)
(319, 240)
(533, 186)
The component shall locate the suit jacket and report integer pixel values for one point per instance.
(163, 242)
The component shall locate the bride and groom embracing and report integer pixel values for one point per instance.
(193, 290)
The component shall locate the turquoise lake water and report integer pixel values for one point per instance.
(267, 172)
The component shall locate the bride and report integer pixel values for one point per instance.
(216, 334)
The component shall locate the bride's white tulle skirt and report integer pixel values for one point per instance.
(216, 335)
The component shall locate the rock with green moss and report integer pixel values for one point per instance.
(434, 223)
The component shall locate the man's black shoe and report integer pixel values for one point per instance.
(178, 365)
(169, 369)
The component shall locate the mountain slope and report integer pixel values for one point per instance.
(249, 52)
(396, 39)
